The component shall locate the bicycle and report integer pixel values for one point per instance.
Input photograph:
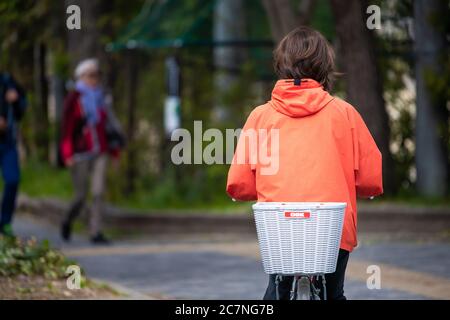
(304, 286)
(300, 239)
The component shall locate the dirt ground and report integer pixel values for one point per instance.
(39, 288)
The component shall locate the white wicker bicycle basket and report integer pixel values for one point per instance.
(299, 237)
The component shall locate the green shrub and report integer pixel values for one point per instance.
(31, 258)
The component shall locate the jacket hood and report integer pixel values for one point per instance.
(298, 101)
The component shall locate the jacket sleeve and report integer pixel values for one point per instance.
(241, 183)
(68, 126)
(19, 106)
(368, 161)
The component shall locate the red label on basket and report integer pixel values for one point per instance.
(297, 214)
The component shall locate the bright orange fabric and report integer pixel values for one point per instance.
(326, 153)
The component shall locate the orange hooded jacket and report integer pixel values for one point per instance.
(325, 153)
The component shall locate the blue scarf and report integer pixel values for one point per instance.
(92, 99)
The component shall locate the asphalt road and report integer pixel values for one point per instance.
(218, 266)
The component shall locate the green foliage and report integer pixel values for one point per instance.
(18, 24)
(61, 64)
(31, 258)
(402, 119)
(397, 63)
(159, 183)
(40, 179)
(178, 187)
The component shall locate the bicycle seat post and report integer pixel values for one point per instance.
(278, 278)
(294, 288)
(324, 285)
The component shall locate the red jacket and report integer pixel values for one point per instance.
(326, 153)
(77, 136)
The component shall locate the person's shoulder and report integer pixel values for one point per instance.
(5, 76)
(72, 95)
(260, 111)
(349, 111)
(71, 98)
(257, 114)
(345, 107)
(7, 79)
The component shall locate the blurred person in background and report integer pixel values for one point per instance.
(90, 132)
(12, 107)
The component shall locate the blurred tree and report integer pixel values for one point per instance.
(432, 113)
(41, 99)
(229, 25)
(284, 17)
(85, 43)
(363, 81)
(25, 54)
(131, 76)
(394, 56)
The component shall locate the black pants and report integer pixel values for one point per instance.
(334, 282)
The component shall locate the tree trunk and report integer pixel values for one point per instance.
(363, 82)
(229, 25)
(58, 74)
(41, 99)
(283, 17)
(131, 86)
(57, 92)
(84, 43)
(431, 116)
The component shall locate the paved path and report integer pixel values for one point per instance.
(224, 267)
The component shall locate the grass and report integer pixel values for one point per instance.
(43, 180)
(410, 199)
(143, 202)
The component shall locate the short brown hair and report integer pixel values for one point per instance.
(305, 53)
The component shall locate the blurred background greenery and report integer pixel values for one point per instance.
(133, 39)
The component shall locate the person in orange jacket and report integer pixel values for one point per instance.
(325, 152)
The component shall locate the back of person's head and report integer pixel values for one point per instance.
(305, 53)
(86, 66)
